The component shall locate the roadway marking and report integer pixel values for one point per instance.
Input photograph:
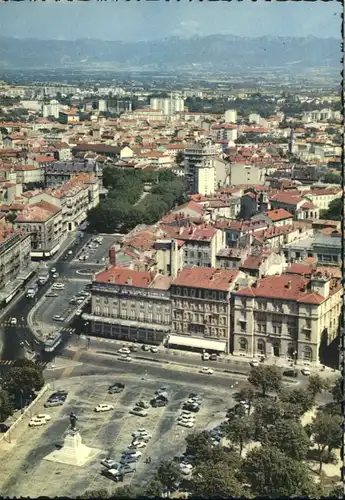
(68, 371)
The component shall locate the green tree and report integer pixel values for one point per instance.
(266, 413)
(334, 210)
(246, 393)
(326, 432)
(168, 474)
(266, 377)
(337, 391)
(126, 491)
(24, 380)
(154, 488)
(198, 444)
(272, 473)
(239, 431)
(331, 178)
(6, 408)
(95, 494)
(289, 437)
(216, 480)
(302, 400)
(316, 385)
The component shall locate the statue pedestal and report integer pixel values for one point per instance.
(73, 451)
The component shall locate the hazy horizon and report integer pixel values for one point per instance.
(157, 20)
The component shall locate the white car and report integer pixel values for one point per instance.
(53, 270)
(125, 357)
(36, 422)
(55, 275)
(186, 419)
(78, 312)
(186, 468)
(70, 252)
(13, 321)
(110, 464)
(140, 412)
(103, 407)
(124, 350)
(184, 423)
(154, 349)
(132, 453)
(139, 443)
(305, 371)
(254, 362)
(57, 317)
(59, 286)
(43, 416)
(207, 371)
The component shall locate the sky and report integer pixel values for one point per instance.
(136, 20)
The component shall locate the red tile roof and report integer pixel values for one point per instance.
(278, 214)
(122, 276)
(286, 287)
(206, 277)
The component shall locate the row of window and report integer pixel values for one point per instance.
(198, 293)
(149, 318)
(127, 304)
(307, 352)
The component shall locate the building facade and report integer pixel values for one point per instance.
(130, 305)
(287, 316)
(200, 168)
(201, 311)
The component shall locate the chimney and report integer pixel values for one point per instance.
(112, 256)
(130, 281)
(112, 278)
(288, 285)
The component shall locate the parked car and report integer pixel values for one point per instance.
(143, 404)
(55, 275)
(133, 347)
(186, 468)
(59, 286)
(4, 428)
(186, 424)
(53, 270)
(50, 403)
(133, 453)
(43, 416)
(103, 407)
(124, 350)
(254, 363)
(213, 357)
(116, 388)
(290, 373)
(128, 468)
(13, 322)
(305, 371)
(128, 459)
(207, 371)
(142, 434)
(113, 474)
(205, 356)
(139, 443)
(36, 422)
(140, 412)
(145, 347)
(110, 464)
(154, 349)
(158, 402)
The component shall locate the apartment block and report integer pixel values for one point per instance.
(201, 311)
(287, 316)
(43, 221)
(15, 248)
(130, 305)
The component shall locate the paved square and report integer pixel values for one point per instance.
(25, 473)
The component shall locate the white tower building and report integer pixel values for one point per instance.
(200, 167)
(230, 116)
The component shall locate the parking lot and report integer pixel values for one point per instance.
(26, 473)
(95, 252)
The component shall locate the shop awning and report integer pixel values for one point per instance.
(184, 340)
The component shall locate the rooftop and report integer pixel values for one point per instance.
(206, 277)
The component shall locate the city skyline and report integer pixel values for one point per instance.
(154, 21)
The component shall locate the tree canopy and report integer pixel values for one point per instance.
(334, 210)
(290, 438)
(266, 377)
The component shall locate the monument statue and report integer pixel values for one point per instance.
(73, 420)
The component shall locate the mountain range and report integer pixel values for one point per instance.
(215, 52)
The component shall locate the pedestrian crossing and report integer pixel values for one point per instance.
(10, 362)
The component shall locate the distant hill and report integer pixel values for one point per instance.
(216, 52)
